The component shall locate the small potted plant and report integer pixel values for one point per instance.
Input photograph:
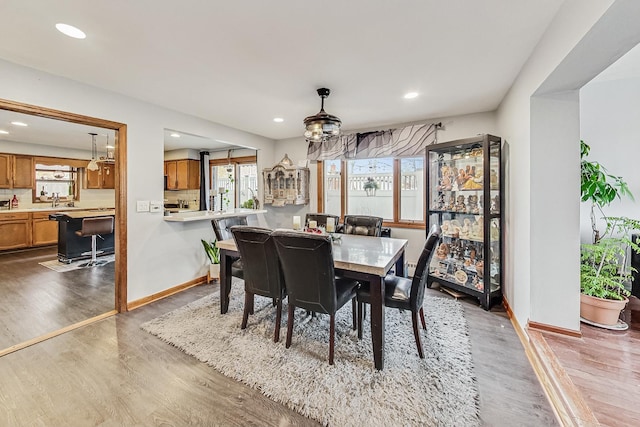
(604, 270)
(213, 253)
(370, 186)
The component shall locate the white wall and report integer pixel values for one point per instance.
(160, 254)
(609, 112)
(454, 128)
(584, 38)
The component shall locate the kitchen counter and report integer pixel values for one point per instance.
(209, 215)
(72, 247)
(52, 209)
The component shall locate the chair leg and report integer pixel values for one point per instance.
(353, 312)
(276, 334)
(289, 325)
(248, 302)
(360, 307)
(424, 324)
(332, 336)
(416, 333)
(251, 307)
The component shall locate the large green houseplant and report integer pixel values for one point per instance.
(604, 270)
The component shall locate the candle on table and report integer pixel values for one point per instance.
(296, 223)
(313, 224)
(331, 225)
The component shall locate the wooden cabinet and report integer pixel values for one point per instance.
(16, 171)
(15, 230)
(43, 230)
(182, 174)
(104, 177)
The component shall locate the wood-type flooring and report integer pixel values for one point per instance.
(37, 300)
(604, 367)
(113, 373)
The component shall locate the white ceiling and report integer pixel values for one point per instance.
(242, 63)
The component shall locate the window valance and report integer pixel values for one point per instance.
(402, 142)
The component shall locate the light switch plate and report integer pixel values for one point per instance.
(156, 206)
(142, 206)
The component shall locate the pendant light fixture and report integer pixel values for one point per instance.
(110, 151)
(322, 126)
(93, 165)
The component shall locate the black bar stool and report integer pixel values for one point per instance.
(94, 227)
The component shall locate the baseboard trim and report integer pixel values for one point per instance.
(167, 292)
(54, 334)
(565, 400)
(543, 327)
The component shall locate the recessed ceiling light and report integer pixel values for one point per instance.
(19, 124)
(71, 31)
(175, 135)
(411, 95)
(4, 132)
(278, 120)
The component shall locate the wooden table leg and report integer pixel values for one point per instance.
(225, 280)
(377, 320)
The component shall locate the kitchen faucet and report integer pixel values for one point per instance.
(55, 199)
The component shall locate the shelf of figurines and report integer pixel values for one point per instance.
(465, 273)
(452, 177)
(458, 203)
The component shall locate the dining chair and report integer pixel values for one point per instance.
(222, 230)
(403, 293)
(321, 219)
(262, 273)
(307, 265)
(363, 225)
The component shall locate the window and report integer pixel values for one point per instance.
(234, 182)
(55, 178)
(390, 188)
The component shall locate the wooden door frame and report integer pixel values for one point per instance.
(120, 187)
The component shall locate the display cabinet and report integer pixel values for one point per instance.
(464, 197)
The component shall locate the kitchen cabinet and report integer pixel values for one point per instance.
(15, 230)
(16, 171)
(103, 178)
(43, 230)
(182, 174)
(464, 182)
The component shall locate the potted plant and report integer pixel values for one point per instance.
(604, 270)
(213, 253)
(370, 186)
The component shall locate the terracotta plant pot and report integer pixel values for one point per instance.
(600, 310)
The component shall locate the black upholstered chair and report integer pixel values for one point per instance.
(262, 273)
(403, 293)
(307, 265)
(363, 225)
(321, 219)
(222, 230)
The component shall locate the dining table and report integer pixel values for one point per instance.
(364, 258)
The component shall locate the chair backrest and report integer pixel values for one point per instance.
(422, 271)
(222, 226)
(321, 219)
(97, 225)
(363, 225)
(261, 267)
(307, 265)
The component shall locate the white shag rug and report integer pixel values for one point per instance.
(439, 390)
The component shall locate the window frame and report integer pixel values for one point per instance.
(235, 161)
(396, 222)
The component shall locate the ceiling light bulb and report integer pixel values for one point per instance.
(4, 132)
(19, 124)
(71, 31)
(175, 135)
(278, 120)
(411, 95)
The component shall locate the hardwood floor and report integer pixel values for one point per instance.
(604, 366)
(113, 373)
(37, 300)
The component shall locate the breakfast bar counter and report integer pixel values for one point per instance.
(209, 215)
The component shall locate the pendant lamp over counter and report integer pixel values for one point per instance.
(93, 165)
